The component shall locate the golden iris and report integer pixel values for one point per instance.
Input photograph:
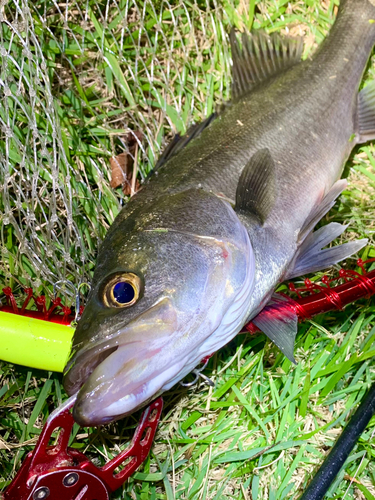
(122, 290)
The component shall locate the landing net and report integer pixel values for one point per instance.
(84, 82)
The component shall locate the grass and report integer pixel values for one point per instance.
(78, 78)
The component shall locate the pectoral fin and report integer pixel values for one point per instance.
(366, 114)
(278, 320)
(256, 191)
(311, 258)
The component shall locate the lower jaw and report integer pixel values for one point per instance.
(134, 399)
(72, 376)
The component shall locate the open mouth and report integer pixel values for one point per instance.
(82, 365)
(123, 371)
(119, 383)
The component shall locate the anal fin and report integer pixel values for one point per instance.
(278, 320)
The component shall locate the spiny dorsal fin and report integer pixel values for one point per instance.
(179, 142)
(366, 114)
(260, 57)
(256, 190)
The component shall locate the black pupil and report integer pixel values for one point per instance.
(123, 292)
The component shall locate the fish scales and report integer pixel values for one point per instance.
(287, 115)
(201, 248)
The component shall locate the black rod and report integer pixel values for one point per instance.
(342, 448)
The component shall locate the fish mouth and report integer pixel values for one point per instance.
(121, 380)
(120, 385)
(81, 366)
(117, 376)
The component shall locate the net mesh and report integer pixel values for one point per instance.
(76, 79)
(84, 82)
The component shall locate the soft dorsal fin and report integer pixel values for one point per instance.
(179, 142)
(256, 190)
(260, 57)
(312, 256)
(322, 208)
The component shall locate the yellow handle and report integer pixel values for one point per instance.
(34, 342)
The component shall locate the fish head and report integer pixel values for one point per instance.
(171, 286)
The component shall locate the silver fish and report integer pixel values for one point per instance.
(199, 250)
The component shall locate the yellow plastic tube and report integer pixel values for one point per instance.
(34, 342)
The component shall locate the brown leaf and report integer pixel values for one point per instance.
(131, 140)
(189, 452)
(352, 479)
(127, 186)
(119, 169)
(122, 165)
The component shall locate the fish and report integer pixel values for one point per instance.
(228, 214)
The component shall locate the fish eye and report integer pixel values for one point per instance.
(122, 290)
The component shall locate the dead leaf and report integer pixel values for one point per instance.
(119, 167)
(122, 165)
(189, 452)
(127, 188)
(351, 479)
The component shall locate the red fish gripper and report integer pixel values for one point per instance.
(325, 297)
(62, 473)
(53, 313)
